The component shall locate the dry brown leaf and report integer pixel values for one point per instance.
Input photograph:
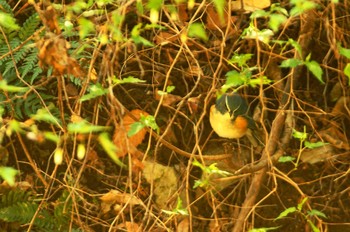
(165, 181)
(130, 227)
(115, 196)
(182, 12)
(183, 226)
(53, 51)
(250, 5)
(336, 92)
(341, 106)
(214, 21)
(316, 155)
(124, 143)
(335, 137)
(49, 18)
(168, 98)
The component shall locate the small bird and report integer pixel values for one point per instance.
(229, 117)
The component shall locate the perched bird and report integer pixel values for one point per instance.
(229, 117)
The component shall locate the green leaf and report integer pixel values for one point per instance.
(201, 183)
(179, 210)
(286, 159)
(84, 127)
(314, 228)
(196, 30)
(296, 46)
(300, 6)
(264, 229)
(139, 7)
(343, 51)
(233, 79)
(44, 115)
(2, 111)
(314, 145)
(259, 14)
(170, 88)
(291, 63)
(262, 80)
(212, 169)
(9, 175)
(299, 135)
(154, 26)
(137, 38)
(7, 21)
(52, 136)
(11, 88)
(143, 41)
(286, 212)
(315, 212)
(198, 164)
(154, 4)
(301, 204)
(117, 18)
(253, 32)
(13, 126)
(220, 7)
(136, 30)
(135, 128)
(276, 20)
(85, 27)
(150, 121)
(315, 69)
(240, 59)
(103, 3)
(277, 8)
(94, 91)
(127, 80)
(347, 72)
(110, 148)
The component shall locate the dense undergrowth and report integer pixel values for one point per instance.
(104, 115)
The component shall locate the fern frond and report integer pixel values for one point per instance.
(21, 212)
(4, 49)
(25, 107)
(13, 197)
(20, 206)
(5, 6)
(29, 27)
(17, 57)
(30, 65)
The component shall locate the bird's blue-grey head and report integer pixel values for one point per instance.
(232, 103)
(235, 105)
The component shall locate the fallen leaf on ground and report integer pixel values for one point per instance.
(124, 143)
(164, 180)
(317, 155)
(115, 197)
